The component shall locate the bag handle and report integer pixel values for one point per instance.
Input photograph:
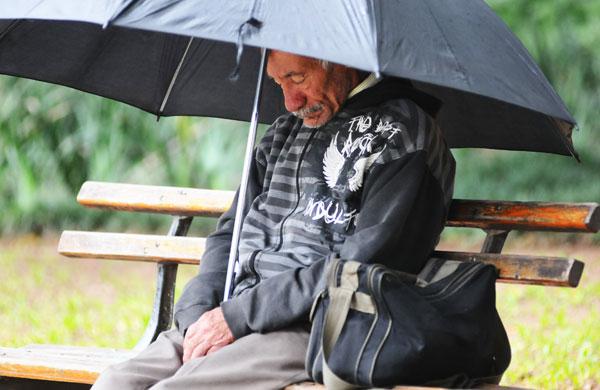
(340, 300)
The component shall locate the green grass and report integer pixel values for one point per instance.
(45, 298)
(554, 334)
(48, 299)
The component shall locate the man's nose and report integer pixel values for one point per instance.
(294, 100)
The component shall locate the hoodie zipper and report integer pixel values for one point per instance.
(251, 261)
(300, 160)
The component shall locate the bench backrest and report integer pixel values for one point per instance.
(483, 214)
(497, 218)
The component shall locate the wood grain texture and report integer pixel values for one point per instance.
(133, 247)
(501, 215)
(84, 364)
(59, 363)
(155, 199)
(538, 270)
(548, 271)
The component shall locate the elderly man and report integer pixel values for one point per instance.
(358, 169)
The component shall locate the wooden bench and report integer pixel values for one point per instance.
(82, 365)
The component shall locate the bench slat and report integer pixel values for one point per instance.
(501, 215)
(59, 363)
(549, 271)
(563, 217)
(155, 199)
(538, 270)
(133, 247)
(84, 364)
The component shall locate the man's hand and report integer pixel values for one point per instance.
(209, 334)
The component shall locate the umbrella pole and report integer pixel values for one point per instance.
(237, 226)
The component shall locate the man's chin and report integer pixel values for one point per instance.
(316, 121)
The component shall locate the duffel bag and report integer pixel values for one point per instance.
(374, 326)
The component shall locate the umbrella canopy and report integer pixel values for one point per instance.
(494, 94)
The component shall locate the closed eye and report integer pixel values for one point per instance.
(297, 78)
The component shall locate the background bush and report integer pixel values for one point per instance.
(52, 138)
(564, 38)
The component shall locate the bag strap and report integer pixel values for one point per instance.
(340, 301)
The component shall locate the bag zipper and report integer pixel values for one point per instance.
(458, 282)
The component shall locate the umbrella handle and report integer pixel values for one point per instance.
(239, 213)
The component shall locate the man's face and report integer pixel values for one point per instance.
(311, 92)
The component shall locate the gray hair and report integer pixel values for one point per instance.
(325, 64)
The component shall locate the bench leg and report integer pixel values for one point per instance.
(162, 312)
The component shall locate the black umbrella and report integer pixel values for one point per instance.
(173, 58)
(494, 94)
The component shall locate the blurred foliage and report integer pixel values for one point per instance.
(564, 38)
(54, 138)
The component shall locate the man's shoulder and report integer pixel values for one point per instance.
(393, 89)
(400, 120)
(396, 128)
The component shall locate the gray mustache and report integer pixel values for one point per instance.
(303, 112)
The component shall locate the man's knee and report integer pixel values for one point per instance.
(113, 378)
(158, 361)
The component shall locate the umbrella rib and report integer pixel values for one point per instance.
(15, 22)
(117, 13)
(174, 78)
(9, 28)
(376, 27)
(459, 67)
(566, 142)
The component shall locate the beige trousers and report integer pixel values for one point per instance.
(257, 361)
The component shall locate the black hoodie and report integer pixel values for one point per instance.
(373, 184)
